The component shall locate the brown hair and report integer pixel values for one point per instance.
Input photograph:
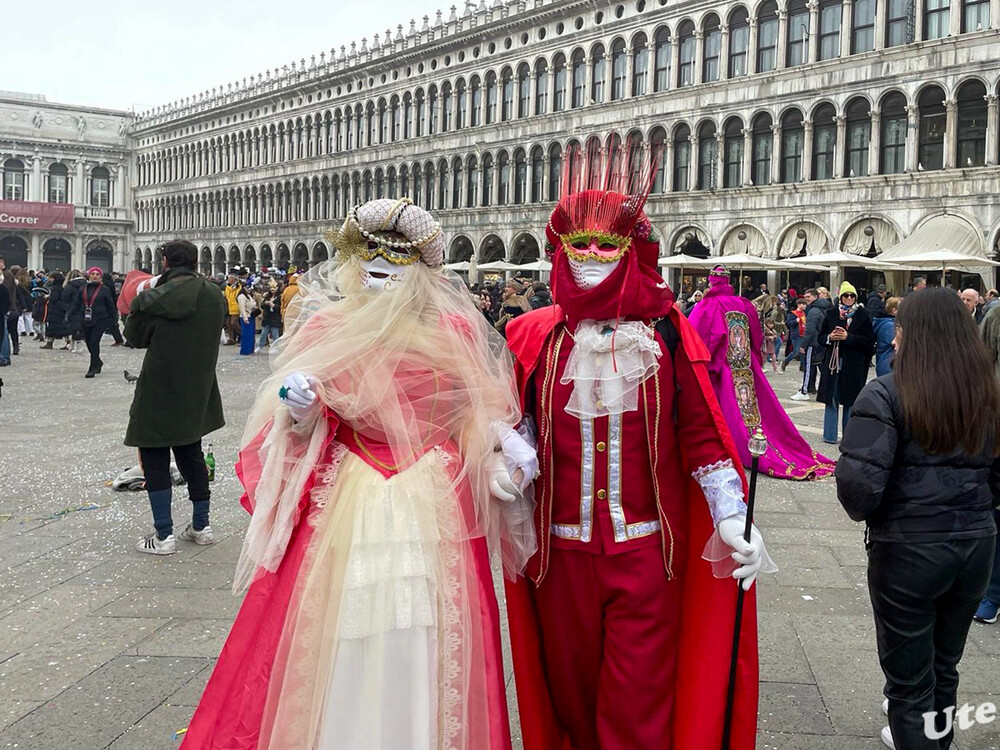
(892, 304)
(939, 345)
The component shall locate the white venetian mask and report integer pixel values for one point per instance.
(379, 275)
(590, 273)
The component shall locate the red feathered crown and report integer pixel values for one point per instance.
(603, 192)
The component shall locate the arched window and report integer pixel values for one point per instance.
(491, 98)
(523, 90)
(900, 20)
(383, 123)
(507, 94)
(733, 154)
(472, 194)
(541, 87)
(661, 59)
(462, 109)
(476, 117)
(407, 116)
(559, 71)
(13, 180)
(893, 123)
(657, 139)
(619, 69)
(937, 19)
(975, 15)
(688, 49)
(442, 185)
(682, 158)
(404, 183)
(379, 183)
(830, 14)
(58, 183)
(859, 133)
(862, 26)
(417, 192)
(824, 141)
(579, 79)
(100, 187)
(792, 140)
(487, 180)
(456, 183)
(520, 176)
(359, 129)
(739, 42)
(763, 141)
(421, 111)
(428, 184)
(798, 34)
(555, 170)
(708, 156)
(599, 74)
(432, 110)
(395, 116)
(713, 48)
(503, 188)
(390, 178)
(767, 37)
(640, 65)
(972, 116)
(933, 118)
(446, 107)
(537, 174)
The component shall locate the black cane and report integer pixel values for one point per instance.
(758, 447)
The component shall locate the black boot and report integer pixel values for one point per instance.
(90, 374)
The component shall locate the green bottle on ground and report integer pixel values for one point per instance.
(210, 463)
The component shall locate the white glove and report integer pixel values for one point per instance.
(519, 454)
(750, 555)
(300, 396)
(502, 486)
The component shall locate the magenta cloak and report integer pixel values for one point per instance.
(730, 327)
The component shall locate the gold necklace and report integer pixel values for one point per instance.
(370, 455)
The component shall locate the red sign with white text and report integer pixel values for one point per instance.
(52, 217)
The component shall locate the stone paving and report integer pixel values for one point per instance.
(101, 647)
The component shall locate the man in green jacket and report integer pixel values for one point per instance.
(177, 399)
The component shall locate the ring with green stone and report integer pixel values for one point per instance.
(283, 392)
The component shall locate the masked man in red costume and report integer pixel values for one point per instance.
(621, 633)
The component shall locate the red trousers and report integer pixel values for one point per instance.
(609, 631)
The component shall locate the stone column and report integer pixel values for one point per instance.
(546, 179)
(668, 165)
(813, 52)
(699, 57)
(120, 186)
(78, 183)
(951, 135)
(807, 151)
(78, 254)
(724, 53)
(912, 136)
(881, 9)
(675, 64)
(752, 51)
(35, 189)
(918, 30)
(781, 54)
(875, 142)
(324, 137)
(35, 253)
(552, 88)
(995, 14)
(695, 153)
(840, 147)
(720, 161)
(776, 154)
(846, 22)
(587, 76)
(992, 128)
(629, 72)
(650, 65)
(747, 157)
(955, 19)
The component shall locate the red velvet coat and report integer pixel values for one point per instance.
(709, 604)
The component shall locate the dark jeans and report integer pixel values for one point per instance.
(93, 334)
(156, 470)
(15, 342)
(793, 348)
(923, 597)
(993, 590)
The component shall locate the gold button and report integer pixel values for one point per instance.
(601, 494)
(601, 446)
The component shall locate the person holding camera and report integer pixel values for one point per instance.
(93, 311)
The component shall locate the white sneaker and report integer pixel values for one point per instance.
(885, 707)
(203, 537)
(800, 396)
(153, 546)
(887, 738)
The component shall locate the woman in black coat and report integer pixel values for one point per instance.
(848, 334)
(74, 283)
(93, 310)
(918, 463)
(55, 312)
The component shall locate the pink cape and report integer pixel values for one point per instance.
(744, 393)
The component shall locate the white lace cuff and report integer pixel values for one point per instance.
(723, 489)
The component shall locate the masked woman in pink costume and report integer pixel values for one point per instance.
(375, 464)
(730, 327)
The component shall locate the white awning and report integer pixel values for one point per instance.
(813, 239)
(745, 240)
(858, 243)
(940, 233)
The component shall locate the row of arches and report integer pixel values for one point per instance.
(742, 41)
(887, 135)
(56, 254)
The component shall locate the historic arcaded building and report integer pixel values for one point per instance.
(67, 196)
(787, 128)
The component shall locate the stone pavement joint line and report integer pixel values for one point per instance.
(103, 649)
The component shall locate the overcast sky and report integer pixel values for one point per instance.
(126, 54)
